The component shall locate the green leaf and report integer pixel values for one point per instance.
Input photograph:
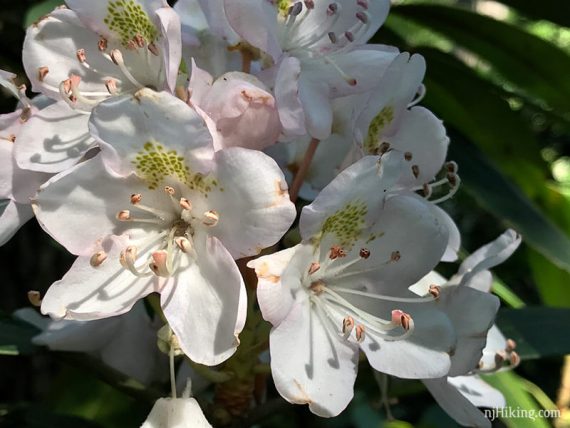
(535, 66)
(537, 330)
(552, 10)
(38, 10)
(501, 197)
(16, 337)
(515, 391)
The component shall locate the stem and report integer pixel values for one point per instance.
(303, 169)
(172, 372)
(246, 58)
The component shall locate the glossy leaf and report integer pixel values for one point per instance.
(553, 10)
(520, 57)
(16, 337)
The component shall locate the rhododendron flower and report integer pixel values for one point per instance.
(463, 391)
(344, 289)
(86, 54)
(176, 413)
(126, 343)
(243, 111)
(159, 211)
(317, 48)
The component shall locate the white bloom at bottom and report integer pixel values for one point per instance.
(176, 413)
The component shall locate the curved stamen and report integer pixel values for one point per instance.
(117, 58)
(383, 297)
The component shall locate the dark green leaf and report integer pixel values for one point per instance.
(553, 10)
(16, 337)
(535, 66)
(537, 330)
(501, 197)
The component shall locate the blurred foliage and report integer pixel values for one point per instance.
(498, 77)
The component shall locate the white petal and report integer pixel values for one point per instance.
(275, 299)
(287, 96)
(254, 206)
(88, 293)
(478, 392)
(454, 244)
(311, 364)
(12, 218)
(316, 101)
(205, 305)
(421, 288)
(455, 404)
(125, 124)
(53, 139)
(176, 413)
(171, 43)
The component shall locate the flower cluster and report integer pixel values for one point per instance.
(167, 143)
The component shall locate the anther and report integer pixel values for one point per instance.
(332, 9)
(124, 215)
(128, 257)
(158, 265)
(451, 166)
(384, 147)
(395, 256)
(362, 3)
(317, 287)
(349, 36)
(102, 44)
(359, 333)
(131, 45)
(314, 267)
(406, 321)
(170, 190)
(210, 218)
(499, 359)
(452, 179)
(408, 156)
(296, 9)
(309, 4)
(117, 56)
(416, 170)
(98, 258)
(347, 326)
(153, 48)
(11, 138)
(362, 17)
(332, 37)
(25, 116)
(435, 291)
(136, 198)
(336, 252)
(514, 359)
(426, 190)
(111, 85)
(42, 73)
(139, 40)
(35, 298)
(183, 243)
(81, 55)
(511, 345)
(364, 253)
(185, 204)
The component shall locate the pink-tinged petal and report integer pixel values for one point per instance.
(94, 14)
(454, 244)
(289, 104)
(423, 136)
(275, 299)
(124, 125)
(455, 404)
(316, 100)
(472, 313)
(200, 84)
(88, 292)
(478, 392)
(256, 22)
(310, 363)
(366, 181)
(79, 206)
(423, 355)
(205, 305)
(490, 255)
(53, 139)
(176, 413)
(13, 217)
(171, 42)
(253, 186)
(243, 110)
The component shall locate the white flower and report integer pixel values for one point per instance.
(159, 211)
(176, 413)
(480, 349)
(86, 54)
(344, 289)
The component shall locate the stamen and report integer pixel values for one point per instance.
(427, 191)
(183, 243)
(295, 9)
(136, 198)
(128, 258)
(349, 36)
(514, 359)
(453, 191)
(435, 291)
(210, 218)
(117, 58)
(81, 55)
(111, 85)
(379, 296)
(362, 17)
(98, 258)
(336, 252)
(332, 9)
(419, 96)
(185, 204)
(359, 333)
(35, 298)
(511, 345)
(408, 156)
(139, 40)
(362, 3)
(153, 48)
(318, 287)
(395, 256)
(364, 253)
(416, 171)
(384, 147)
(102, 44)
(124, 215)
(159, 263)
(169, 190)
(314, 267)
(42, 73)
(347, 326)
(332, 37)
(309, 4)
